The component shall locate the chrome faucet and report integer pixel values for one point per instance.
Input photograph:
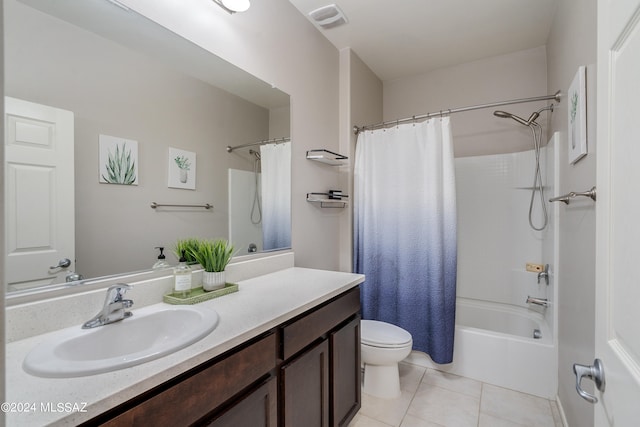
(544, 274)
(538, 301)
(114, 308)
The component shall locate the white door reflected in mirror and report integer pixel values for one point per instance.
(39, 187)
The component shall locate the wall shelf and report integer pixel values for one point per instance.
(326, 157)
(324, 200)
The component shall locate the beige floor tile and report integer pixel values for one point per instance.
(410, 376)
(517, 407)
(388, 411)
(445, 407)
(420, 359)
(452, 382)
(491, 421)
(364, 421)
(411, 421)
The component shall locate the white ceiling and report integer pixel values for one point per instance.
(399, 38)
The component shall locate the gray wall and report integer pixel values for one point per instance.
(361, 104)
(517, 75)
(571, 43)
(274, 42)
(116, 91)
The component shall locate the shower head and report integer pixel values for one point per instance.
(505, 115)
(531, 120)
(255, 153)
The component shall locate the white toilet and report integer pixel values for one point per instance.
(383, 346)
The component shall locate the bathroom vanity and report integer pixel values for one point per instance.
(286, 352)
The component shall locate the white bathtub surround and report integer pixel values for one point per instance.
(261, 304)
(493, 204)
(506, 355)
(494, 324)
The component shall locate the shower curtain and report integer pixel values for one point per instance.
(276, 197)
(405, 231)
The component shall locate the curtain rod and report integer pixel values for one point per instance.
(263, 142)
(557, 96)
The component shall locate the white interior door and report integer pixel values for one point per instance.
(39, 193)
(618, 212)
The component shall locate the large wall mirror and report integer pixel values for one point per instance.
(108, 112)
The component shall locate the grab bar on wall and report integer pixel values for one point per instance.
(565, 198)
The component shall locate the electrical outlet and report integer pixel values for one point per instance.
(534, 268)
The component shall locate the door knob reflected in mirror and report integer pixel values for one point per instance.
(594, 372)
(63, 263)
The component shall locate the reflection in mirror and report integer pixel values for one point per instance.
(108, 112)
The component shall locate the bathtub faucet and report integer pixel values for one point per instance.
(538, 301)
(544, 274)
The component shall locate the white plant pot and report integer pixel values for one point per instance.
(184, 175)
(213, 280)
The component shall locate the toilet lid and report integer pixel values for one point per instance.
(382, 334)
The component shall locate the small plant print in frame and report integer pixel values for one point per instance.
(118, 160)
(182, 169)
(577, 132)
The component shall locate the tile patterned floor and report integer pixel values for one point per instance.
(432, 398)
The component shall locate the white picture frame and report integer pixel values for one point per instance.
(182, 169)
(118, 159)
(577, 117)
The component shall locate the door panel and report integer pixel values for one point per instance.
(618, 210)
(39, 189)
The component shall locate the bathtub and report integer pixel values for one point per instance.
(494, 344)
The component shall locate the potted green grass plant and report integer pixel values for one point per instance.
(213, 256)
(188, 246)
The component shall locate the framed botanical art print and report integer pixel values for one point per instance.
(182, 169)
(118, 160)
(577, 134)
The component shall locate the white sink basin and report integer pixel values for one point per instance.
(151, 332)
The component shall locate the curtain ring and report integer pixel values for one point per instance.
(414, 120)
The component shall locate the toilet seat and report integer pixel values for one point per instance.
(383, 335)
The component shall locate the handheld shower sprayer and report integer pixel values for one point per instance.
(536, 130)
(532, 118)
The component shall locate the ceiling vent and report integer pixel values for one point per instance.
(328, 16)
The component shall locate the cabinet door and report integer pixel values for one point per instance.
(259, 408)
(346, 375)
(305, 388)
(198, 395)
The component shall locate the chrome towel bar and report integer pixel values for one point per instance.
(155, 205)
(565, 199)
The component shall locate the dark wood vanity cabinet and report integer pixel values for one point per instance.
(305, 372)
(304, 383)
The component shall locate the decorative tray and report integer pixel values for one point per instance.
(198, 295)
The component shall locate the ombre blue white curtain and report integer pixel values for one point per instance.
(276, 204)
(405, 231)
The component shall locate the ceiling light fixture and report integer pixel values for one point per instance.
(233, 6)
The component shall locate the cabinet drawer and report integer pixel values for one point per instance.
(302, 332)
(196, 396)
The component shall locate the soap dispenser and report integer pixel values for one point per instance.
(182, 278)
(161, 262)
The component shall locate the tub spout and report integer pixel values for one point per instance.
(538, 301)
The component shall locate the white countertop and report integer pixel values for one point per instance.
(260, 304)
